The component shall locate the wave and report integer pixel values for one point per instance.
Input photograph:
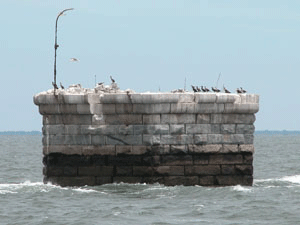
(290, 180)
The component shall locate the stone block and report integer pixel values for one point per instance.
(230, 148)
(151, 119)
(123, 170)
(233, 138)
(214, 138)
(115, 98)
(248, 158)
(245, 128)
(241, 108)
(99, 140)
(176, 160)
(181, 180)
(234, 180)
(75, 99)
(198, 128)
(99, 150)
(151, 108)
(149, 139)
(209, 108)
(205, 97)
(87, 171)
(128, 180)
(63, 149)
(227, 98)
(228, 170)
(178, 149)
(186, 97)
(70, 171)
(200, 139)
(169, 170)
(65, 181)
(53, 171)
(125, 129)
(226, 159)
(124, 119)
(183, 108)
(158, 149)
(100, 109)
(153, 180)
(209, 148)
(246, 148)
(124, 160)
(54, 129)
(154, 98)
(98, 119)
(77, 140)
(228, 128)
(123, 149)
(124, 108)
(101, 129)
(201, 159)
(143, 171)
(177, 128)
(151, 129)
(93, 98)
(151, 160)
(139, 150)
(67, 119)
(202, 170)
(182, 139)
(203, 118)
(178, 118)
(249, 138)
(207, 180)
(58, 109)
(244, 169)
(124, 139)
(75, 129)
(103, 180)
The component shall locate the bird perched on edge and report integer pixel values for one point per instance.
(54, 85)
(243, 91)
(112, 80)
(198, 89)
(215, 89)
(100, 83)
(62, 87)
(239, 91)
(226, 90)
(194, 88)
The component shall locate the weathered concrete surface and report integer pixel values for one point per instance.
(104, 135)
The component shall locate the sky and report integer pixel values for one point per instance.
(151, 45)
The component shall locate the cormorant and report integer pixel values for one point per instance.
(112, 80)
(239, 91)
(206, 89)
(54, 85)
(215, 89)
(243, 91)
(203, 89)
(100, 83)
(226, 90)
(198, 89)
(62, 87)
(194, 88)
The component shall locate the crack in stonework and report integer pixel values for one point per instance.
(117, 139)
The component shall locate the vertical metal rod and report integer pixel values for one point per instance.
(56, 45)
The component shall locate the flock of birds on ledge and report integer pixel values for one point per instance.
(205, 89)
(195, 88)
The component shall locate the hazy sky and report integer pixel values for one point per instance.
(150, 44)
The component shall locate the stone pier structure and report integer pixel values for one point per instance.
(94, 138)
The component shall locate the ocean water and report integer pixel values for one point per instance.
(273, 199)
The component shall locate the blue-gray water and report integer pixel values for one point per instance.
(273, 199)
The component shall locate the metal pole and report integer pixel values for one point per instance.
(56, 45)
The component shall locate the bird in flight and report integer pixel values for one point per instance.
(74, 60)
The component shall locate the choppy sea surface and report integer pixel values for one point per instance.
(273, 199)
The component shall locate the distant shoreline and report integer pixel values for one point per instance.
(256, 132)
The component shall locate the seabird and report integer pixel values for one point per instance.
(194, 88)
(206, 89)
(62, 87)
(112, 80)
(226, 90)
(54, 85)
(100, 83)
(215, 89)
(203, 89)
(243, 91)
(198, 89)
(239, 91)
(74, 60)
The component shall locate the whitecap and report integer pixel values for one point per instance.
(241, 188)
(295, 179)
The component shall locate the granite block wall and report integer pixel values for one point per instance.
(169, 138)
